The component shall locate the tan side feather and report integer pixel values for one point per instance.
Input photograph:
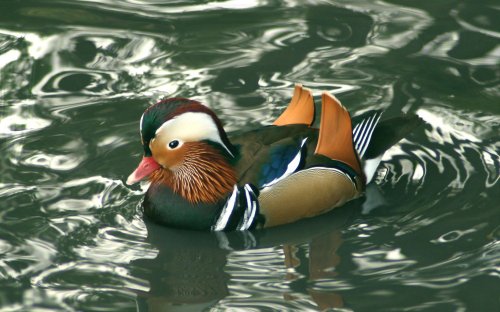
(306, 193)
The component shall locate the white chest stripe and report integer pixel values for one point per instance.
(221, 223)
(235, 208)
(249, 215)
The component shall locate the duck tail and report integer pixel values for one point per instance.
(373, 137)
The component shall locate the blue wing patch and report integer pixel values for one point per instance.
(283, 161)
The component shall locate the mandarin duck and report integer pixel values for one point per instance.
(203, 179)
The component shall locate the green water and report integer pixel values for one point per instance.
(76, 75)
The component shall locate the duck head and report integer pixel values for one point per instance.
(187, 150)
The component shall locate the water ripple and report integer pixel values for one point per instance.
(76, 77)
(21, 118)
(68, 283)
(477, 19)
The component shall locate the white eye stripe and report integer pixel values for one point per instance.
(191, 127)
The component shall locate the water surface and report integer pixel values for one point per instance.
(75, 77)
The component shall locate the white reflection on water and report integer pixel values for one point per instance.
(50, 278)
(440, 48)
(375, 262)
(14, 124)
(38, 46)
(456, 134)
(19, 118)
(121, 244)
(452, 236)
(483, 22)
(395, 25)
(449, 126)
(8, 57)
(155, 7)
(55, 162)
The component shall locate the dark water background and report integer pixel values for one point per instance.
(75, 77)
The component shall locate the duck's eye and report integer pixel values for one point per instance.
(173, 144)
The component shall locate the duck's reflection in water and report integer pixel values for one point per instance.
(189, 272)
(319, 264)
